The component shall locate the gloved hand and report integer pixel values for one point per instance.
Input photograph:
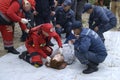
(24, 21)
(48, 59)
(27, 30)
(60, 50)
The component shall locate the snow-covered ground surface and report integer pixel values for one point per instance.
(12, 68)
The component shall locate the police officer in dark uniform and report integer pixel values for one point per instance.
(101, 19)
(64, 18)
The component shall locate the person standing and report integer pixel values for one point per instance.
(11, 11)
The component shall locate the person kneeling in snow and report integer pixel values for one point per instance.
(37, 44)
(61, 60)
(88, 46)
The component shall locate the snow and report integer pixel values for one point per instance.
(12, 68)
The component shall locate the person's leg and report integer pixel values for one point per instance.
(94, 61)
(100, 33)
(35, 58)
(84, 59)
(59, 31)
(79, 9)
(74, 5)
(107, 3)
(68, 28)
(111, 24)
(25, 56)
(38, 19)
(113, 7)
(118, 11)
(24, 36)
(81, 57)
(46, 18)
(7, 35)
(95, 57)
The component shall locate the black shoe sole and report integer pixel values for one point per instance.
(90, 71)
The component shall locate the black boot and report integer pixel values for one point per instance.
(92, 67)
(25, 56)
(12, 50)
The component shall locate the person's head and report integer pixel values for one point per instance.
(57, 62)
(67, 5)
(28, 5)
(76, 27)
(47, 29)
(88, 8)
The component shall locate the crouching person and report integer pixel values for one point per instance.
(61, 60)
(89, 48)
(36, 44)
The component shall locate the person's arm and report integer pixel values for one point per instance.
(90, 22)
(83, 44)
(13, 10)
(23, 26)
(69, 38)
(58, 39)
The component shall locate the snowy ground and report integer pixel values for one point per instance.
(12, 68)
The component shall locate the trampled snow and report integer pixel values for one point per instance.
(12, 68)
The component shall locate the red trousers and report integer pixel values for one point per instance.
(42, 53)
(7, 35)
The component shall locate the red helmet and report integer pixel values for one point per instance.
(47, 27)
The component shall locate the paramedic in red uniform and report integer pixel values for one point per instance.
(13, 10)
(36, 43)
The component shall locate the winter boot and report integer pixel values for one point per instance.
(12, 50)
(25, 56)
(92, 67)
